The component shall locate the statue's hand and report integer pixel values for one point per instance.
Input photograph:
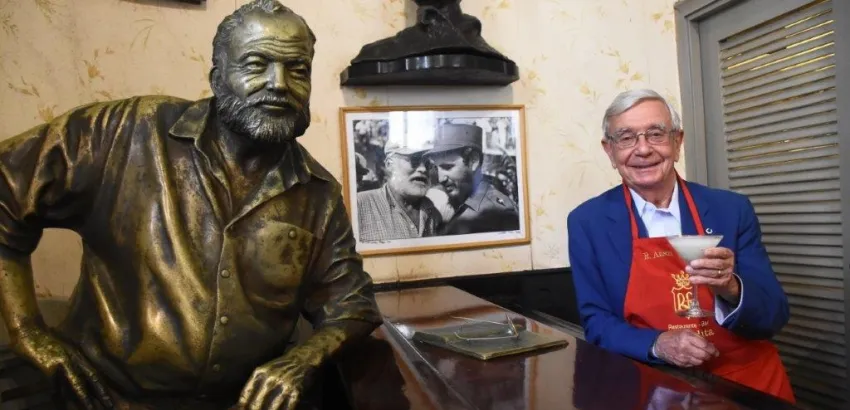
(278, 385)
(60, 361)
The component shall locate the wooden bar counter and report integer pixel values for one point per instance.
(391, 371)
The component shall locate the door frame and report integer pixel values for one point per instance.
(842, 86)
(688, 15)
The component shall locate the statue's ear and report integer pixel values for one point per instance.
(213, 69)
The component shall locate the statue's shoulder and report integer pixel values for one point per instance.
(138, 102)
(164, 99)
(163, 106)
(153, 103)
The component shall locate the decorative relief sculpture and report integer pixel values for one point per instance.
(444, 47)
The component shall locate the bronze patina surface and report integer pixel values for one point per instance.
(207, 232)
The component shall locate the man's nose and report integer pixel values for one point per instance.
(643, 147)
(276, 77)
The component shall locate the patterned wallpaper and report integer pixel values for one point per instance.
(574, 56)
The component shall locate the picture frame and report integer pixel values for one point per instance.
(435, 178)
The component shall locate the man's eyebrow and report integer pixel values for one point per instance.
(622, 130)
(299, 60)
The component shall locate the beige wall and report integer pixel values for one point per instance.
(574, 56)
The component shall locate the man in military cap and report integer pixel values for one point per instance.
(207, 231)
(478, 206)
(399, 209)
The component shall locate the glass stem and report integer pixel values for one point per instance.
(695, 297)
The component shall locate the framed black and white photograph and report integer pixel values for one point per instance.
(435, 178)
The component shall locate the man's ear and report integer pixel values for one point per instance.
(680, 139)
(475, 160)
(212, 74)
(609, 150)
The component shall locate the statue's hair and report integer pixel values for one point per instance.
(230, 22)
(628, 99)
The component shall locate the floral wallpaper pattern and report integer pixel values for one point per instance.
(574, 56)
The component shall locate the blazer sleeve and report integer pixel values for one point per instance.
(764, 310)
(603, 323)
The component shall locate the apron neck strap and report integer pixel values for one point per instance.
(691, 206)
(688, 199)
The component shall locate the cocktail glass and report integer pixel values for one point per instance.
(689, 248)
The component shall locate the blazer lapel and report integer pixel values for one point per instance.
(619, 230)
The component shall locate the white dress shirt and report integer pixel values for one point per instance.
(660, 222)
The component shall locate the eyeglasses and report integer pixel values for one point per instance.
(486, 330)
(416, 160)
(628, 139)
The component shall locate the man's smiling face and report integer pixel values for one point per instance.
(645, 165)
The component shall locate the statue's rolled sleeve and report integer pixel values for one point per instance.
(48, 173)
(342, 290)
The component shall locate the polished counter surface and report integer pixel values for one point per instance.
(390, 371)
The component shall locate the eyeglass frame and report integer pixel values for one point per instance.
(416, 159)
(513, 333)
(664, 133)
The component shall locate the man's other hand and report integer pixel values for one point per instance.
(684, 348)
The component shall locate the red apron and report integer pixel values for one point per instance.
(658, 287)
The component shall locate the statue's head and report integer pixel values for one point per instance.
(262, 59)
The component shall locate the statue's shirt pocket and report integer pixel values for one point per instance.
(275, 258)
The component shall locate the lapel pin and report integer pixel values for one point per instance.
(709, 231)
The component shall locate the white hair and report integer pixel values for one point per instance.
(628, 99)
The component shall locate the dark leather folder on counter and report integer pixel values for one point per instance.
(486, 341)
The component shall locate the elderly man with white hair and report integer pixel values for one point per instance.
(631, 283)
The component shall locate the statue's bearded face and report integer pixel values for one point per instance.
(263, 90)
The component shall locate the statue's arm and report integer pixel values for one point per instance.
(341, 305)
(17, 294)
(48, 175)
(47, 178)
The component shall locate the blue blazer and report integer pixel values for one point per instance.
(600, 249)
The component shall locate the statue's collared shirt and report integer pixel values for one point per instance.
(178, 292)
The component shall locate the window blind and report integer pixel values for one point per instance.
(779, 114)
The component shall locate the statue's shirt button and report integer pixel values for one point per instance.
(225, 273)
(292, 234)
(224, 320)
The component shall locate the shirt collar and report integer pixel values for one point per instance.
(390, 199)
(644, 207)
(297, 165)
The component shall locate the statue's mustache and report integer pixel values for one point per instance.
(277, 101)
